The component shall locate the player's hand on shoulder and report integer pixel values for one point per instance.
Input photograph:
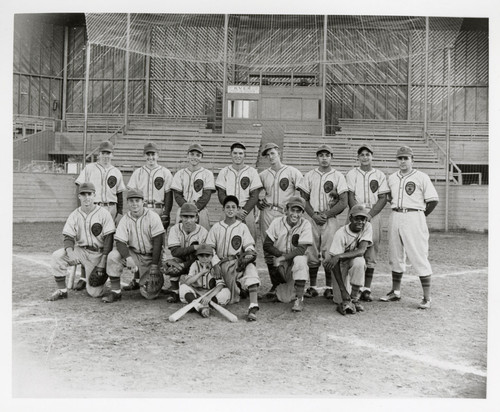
(262, 204)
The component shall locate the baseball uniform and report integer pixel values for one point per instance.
(153, 183)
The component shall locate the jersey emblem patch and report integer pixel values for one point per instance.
(410, 188)
(198, 185)
(96, 229)
(159, 181)
(236, 242)
(295, 239)
(284, 183)
(112, 181)
(245, 182)
(328, 186)
(374, 186)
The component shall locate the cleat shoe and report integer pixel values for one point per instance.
(205, 311)
(391, 297)
(81, 284)
(298, 305)
(57, 295)
(133, 285)
(172, 297)
(359, 307)
(112, 297)
(366, 296)
(346, 307)
(425, 304)
(252, 314)
(328, 293)
(311, 292)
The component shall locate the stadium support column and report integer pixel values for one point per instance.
(127, 58)
(323, 103)
(426, 75)
(85, 104)
(224, 80)
(65, 78)
(448, 119)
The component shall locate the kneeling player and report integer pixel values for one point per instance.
(200, 279)
(88, 238)
(287, 239)
(346, 260)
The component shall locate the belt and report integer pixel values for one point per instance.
(153, 205)
(277, 208)
(400, 210)
(92, 248)
(105, 204)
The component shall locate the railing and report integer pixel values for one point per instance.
(22, 124)
(112, 139)
(456, 171)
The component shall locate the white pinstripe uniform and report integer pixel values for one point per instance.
(408, 232)
(285, 238)
(137, 234)
(367, 186)
(107, 181)
(321, 188)
(153, 183)
(240, 183)
(353, 270)
(89, 231)
(191, 184)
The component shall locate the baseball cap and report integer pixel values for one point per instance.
(359, 210)
(365, 146)
(404, 151)
(269, 146)
(296, 201)
(324, 148)
(189, 209)
(205, 249)
(231, 198)
(86, 188)
(106, 146)
(197, 147)
(238, 144)
(151, 147)
(135, 193)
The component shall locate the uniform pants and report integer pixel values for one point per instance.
(116, 263)
(353, 273)
(266, 217)
(294, 270)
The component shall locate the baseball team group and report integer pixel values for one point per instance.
(213, 266)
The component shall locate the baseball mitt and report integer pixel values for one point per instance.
(97, 277)
(346, 307)
(151, 283)
(245, 258)
(173, 267)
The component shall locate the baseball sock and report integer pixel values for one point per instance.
(354, 291)
(369, 277)
(136, 275)
(189, 297)
(252, 290)
(396, 281)
(61, 282)
(299, 288)
(328, 279)
(273, 275)
(313, 276)
(115, 283)
(174, 285)
(426, 286)
(83, 275)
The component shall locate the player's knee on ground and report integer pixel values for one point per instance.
(183, 291)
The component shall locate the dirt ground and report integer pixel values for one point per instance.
(80, 347)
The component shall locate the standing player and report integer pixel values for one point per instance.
(243, 182)
(287, 240)
(412, 197)
(109, 185)
(139, 240)
(230, 237)
(194, 184)
(280, 182)
(347, 260)
(368, 186)
(325, 192)
(184, 239)
(88, 238)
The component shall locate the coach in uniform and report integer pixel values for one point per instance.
(88, 238)
(280, 182)
(412, 197)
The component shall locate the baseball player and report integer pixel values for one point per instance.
(243, 182)
(108, 181)
(183, 241)
(368, 186)
(139, 241)
(194, 184)
(287, 240)
(200, 279)
(88, 239)
(280, 182)
(346, 259)
(412, 197)
(230, 237)
(325, 192)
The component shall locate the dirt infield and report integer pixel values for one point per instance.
(82, 347)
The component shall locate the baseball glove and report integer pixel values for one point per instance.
(173, 267)
(245, 258)
(151, 282)
(346, 307)
(98, 277)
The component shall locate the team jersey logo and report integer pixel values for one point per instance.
(328, 186)
(211, 283)
(295, 239)
(112, 181)
(159, 181)
(96, 229)
(245, 182)
(410, 188)
(236, 242)
(374, 186)
(198, 185)
(284, 183)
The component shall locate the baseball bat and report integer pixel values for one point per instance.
(70, 281)
(174, 317)
(231, 317)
